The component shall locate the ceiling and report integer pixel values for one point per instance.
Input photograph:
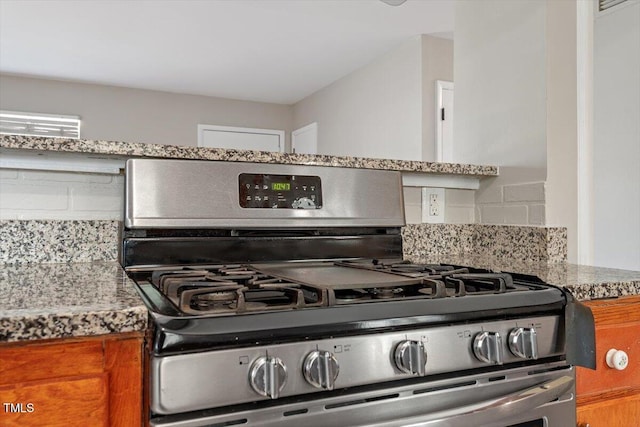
(276, 51)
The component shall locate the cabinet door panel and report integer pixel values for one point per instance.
(66, 403)
(32, 362)
(604, 379)
(622, 412)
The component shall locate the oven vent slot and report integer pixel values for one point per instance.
(543, 371)
(296, 412)
(500, 378)
(444, 387)
(229, 423)
(361, 401)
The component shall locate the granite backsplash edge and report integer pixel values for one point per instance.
(60, 241)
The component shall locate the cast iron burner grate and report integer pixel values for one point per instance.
(237, 289)
(233, 289)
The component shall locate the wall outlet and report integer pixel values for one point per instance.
(433, 205)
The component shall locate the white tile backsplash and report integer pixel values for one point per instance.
(95, 198)
(26, 194)
(521, 205)
(515, 215)
(20, 196)
(533, 192)
(43, 176)
(413, 214)
(459, 206)
(537, 215)
(515, 197)
(460, 197)
(459, 215)
(8, 174)
(489, 193)
(29, 194)
(412, 205)
(412, 195)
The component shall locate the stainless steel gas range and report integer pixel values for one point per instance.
(279, 297)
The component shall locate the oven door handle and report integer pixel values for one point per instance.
(491, 411)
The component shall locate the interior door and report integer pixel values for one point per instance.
(240, 138)
(305, 139)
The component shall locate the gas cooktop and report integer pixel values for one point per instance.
(236, 289)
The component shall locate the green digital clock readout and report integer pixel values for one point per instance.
(281, 186)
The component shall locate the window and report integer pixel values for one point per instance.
(36, 124)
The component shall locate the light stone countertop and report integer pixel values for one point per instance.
(583, 281)
(133, 149)
(45, 301)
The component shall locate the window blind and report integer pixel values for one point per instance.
(36, 124)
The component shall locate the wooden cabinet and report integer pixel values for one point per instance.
(608, 397)
(72, 382)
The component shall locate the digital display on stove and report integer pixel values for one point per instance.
(270, 191)
(281, 186)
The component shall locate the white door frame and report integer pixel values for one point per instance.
(440, 86)
(584, 57)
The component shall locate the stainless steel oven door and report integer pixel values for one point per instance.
(535, 396)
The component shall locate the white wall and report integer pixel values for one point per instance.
(111, 113)
(500, 85)
(375, 111)
(515, 71)
(135, 115)
(617, 138)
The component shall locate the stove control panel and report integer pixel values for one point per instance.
(241, 375)
(270, 191)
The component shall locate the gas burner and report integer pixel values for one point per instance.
(214, 300)
(386, 293)
(199, 298)
(344, 296)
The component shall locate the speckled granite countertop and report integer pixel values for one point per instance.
(584, 282)
(132, 149)
(43, 301)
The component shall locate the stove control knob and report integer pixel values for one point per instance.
(411, 357)
(321, 369)
(268, 376)
(487, 347)
(523, 343)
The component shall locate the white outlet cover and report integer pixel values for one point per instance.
(427, 194)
